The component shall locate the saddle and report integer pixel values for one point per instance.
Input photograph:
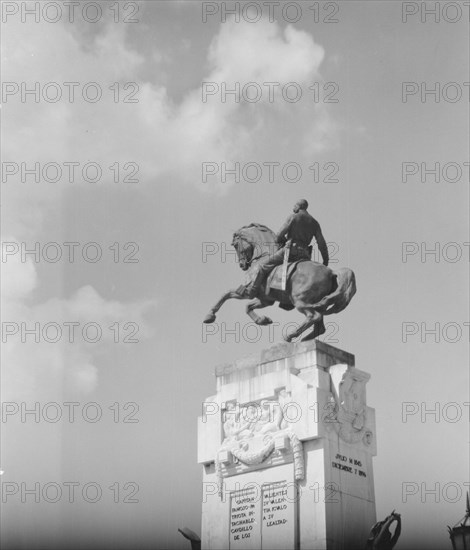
(274, 280)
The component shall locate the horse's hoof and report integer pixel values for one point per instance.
(209, 318)
(263, 321)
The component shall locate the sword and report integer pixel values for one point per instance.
(284, 264)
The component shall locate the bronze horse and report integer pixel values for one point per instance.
(313, 289)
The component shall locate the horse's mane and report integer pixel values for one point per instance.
(256, 232)
(260, 237)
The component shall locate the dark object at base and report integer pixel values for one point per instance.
(380, 537)
(191, 536)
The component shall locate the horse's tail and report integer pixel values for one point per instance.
(341, 296)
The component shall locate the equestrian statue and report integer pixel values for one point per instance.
(279, 269)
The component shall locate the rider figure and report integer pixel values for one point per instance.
(299, 229)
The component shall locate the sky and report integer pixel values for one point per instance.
(135, 171)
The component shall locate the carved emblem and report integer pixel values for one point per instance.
(349, 415)
(255, 431)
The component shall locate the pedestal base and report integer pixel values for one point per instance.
(286, 446)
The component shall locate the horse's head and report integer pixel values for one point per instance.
(252, 242)
(244, 251)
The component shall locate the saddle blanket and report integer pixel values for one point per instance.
(274, 280)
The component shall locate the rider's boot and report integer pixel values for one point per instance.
(254, 288)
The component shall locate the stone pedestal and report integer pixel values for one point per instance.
(286, 446)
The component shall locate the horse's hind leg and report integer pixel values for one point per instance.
(318, 330)
(312, 317)
(258, 304)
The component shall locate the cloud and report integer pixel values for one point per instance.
(47, 360)
(166, 138)
(222, 129)
(18, 279)
(41, 131)
(263, 52)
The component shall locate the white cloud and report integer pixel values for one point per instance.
(163, 137)
(54, 363)
(263, 53)
(18, 279)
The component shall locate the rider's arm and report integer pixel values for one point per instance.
(322, 247)
(282, 233)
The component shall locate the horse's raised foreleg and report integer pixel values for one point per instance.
(258, 304)
(210, 317)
